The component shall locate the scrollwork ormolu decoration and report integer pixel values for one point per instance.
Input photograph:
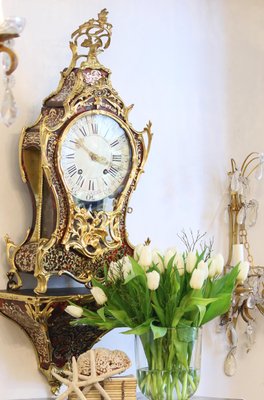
(93, 232)
(70, 236)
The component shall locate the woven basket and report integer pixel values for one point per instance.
(117, 388)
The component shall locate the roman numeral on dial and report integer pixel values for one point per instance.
(113, 144)
(80, 181)
(94, 127)
(70, 156)
(91, 185)
(72, 170)
(83, 131)
(117, 157)
(113, 171)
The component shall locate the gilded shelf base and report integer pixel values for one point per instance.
(43, 319)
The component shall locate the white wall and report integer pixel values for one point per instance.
(196, 69)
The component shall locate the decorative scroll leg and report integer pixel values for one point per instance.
(42, 283)
(14, 279)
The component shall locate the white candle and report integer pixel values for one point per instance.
(237, 254)
(1, 12)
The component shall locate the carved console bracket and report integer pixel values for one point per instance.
(43, 319)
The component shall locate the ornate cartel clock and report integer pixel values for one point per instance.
(81, 161)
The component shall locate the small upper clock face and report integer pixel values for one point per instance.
(95, 157)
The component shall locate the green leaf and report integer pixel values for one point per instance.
(158, 331)
(140, 329)
(219, 307)
(225, 284)
(202, 311)
(101, 313)
(122, 317)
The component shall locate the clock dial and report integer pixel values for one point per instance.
(95, 157)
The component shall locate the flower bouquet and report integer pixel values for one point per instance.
(164, 300)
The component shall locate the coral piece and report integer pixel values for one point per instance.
(105, 361)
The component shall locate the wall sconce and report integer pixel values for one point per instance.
(242, 214)
(10, 28)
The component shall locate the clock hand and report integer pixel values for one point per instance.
(92, 155)
(100, 159)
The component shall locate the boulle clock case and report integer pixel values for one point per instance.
(81, 161)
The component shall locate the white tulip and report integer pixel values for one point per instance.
(211, 268)
(153, 279)
(243, 271)
(197, 279)
(191, 259)
(74, 311)
(179, 261)
(168, 256)
(137, 251)
(114, 271)
(156, 259)
(145, 258)
(126, 266)
(203, 266)
(99, 295)
(219, 264)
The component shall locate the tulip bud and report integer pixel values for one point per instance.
(114, 271)
(153, 279)
(219, 264)
(191, 261)
(126, 266)
(202, 266)
(197, 279)
(243, 271)
(74, 311)
(99, 295)
(145, 258)
(137, 251)
(179, 261)
(156, 259)
(212, 269)
(168, 256)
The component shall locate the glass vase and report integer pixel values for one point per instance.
(168, 368)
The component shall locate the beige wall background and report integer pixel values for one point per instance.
(196, 69)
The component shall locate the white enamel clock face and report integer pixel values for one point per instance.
(95, 157)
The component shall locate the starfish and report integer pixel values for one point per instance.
(77, 380)
(73, 385)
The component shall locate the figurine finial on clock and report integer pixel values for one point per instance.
(95, 35)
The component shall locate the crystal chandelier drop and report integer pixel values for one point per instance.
(10, 28)
(242, 214)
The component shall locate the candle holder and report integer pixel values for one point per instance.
(242, 214)
(10, 29)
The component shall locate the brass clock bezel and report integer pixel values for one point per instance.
(133, 160)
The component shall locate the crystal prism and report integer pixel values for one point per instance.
(259, 172)
(230, 364)
(251, 336)
(241, 216)
(231, 335)
(252, 213)
(235, 184)
(9, 108)
(251, 302)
